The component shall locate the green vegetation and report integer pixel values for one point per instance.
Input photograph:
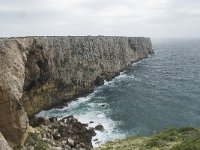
(35, 140)
(169, 139)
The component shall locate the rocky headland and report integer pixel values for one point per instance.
(41, 72)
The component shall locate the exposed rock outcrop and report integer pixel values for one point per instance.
(40, 72)
(13, 118)
(65, 134)
(3, 143)
(99, 128)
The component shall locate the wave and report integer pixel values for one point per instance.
(87, 110)
(103, 105)
(136, 63)
(99, 117)
(72, 105)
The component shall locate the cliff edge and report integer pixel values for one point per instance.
(41, 72)
(187, 138)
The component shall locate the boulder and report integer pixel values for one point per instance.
(37, 121)
(53, 119)
(99, 80)
(71, 142)
(99, 127)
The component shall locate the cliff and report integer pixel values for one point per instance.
(40, 72)
(3, 143)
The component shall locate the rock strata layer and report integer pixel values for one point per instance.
(41, 72)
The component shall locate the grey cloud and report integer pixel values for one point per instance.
(100, 17)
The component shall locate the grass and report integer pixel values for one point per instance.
(170, 139)
(193, 144)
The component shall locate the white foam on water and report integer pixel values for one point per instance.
(98, 117)
(96, 114)
(74, 104)
(107, 82)
(85, 110)
(134, 78)
(116, 79)
(103, 105)
(121, 77)
(136, 63)
(71, 106)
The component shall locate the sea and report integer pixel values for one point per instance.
(159, 92)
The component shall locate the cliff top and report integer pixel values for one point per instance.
(169, 139)
(71, 36)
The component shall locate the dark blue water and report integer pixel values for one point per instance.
(159, 92)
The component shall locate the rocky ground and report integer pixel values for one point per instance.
(70, 134)
(64, 134)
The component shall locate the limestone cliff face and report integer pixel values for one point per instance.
(3, 143)
(40, 72)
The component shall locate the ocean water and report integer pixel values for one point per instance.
(159, 92)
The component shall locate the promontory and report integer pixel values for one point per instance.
(41, 72)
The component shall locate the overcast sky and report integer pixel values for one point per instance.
(152, 18)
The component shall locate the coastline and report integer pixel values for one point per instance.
(66, 109)
(42, 72)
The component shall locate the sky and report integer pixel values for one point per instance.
(149, 18)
